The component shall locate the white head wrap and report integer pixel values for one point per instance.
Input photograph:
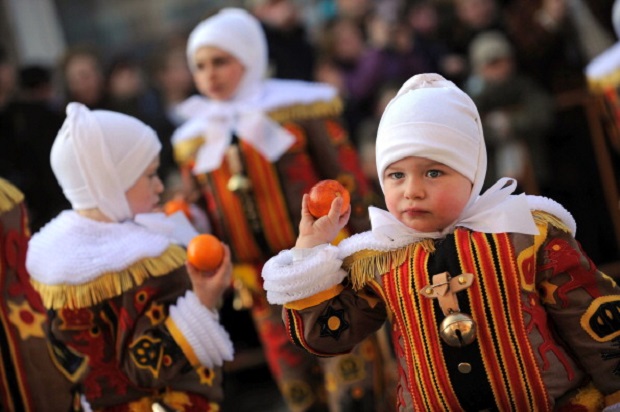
(432, 118)
(98, 155)
(239, 33)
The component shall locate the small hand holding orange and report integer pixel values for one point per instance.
(320, 225)
(209, 267)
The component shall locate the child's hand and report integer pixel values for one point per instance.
(314, 232)
(209, 286)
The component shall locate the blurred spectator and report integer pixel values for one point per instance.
(126, 87)
(516, 113)
(7, 78)
(291, 55)
(461, 24)
(393, 55)
(553, 38)
(32, 121)
(82, 77)
(170, 84)
(8, 84)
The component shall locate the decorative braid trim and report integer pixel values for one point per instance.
(9, 196)
(363, 265)
(111, 284)
(308, 111)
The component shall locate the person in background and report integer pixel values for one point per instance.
(516, 113)
(31, 123)
(29, 379)
(253, 148)
(82, 77)
(131, 322)
(291, 54)
(464, 277)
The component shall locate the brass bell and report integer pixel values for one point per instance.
(458, 329)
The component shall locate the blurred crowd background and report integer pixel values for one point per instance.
(522, 61)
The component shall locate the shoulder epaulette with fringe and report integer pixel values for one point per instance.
(362, 266)
(9, 196)
(541, 217)
(185, 150)
(110, 284)
(599, 84)
(307, 111)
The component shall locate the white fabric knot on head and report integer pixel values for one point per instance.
(98, 155)
(431, 117)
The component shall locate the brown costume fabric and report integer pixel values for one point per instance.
(29, 380)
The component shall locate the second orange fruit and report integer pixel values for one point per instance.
(205, 252)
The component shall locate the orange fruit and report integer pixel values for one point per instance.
(323, 193)
(174, 205)
(205, 252)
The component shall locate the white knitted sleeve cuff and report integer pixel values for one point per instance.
(202, 330)
(300, 273)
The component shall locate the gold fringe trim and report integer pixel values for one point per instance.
(9, 196)
(544, 218)
(363, 265)
(185, 151)
(307, 111)
(588, 398)
(110, 284)
(599, 84)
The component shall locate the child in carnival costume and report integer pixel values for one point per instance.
(492, 302)
(130, 322)
(251, 148)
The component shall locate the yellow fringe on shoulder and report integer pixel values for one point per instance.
(587, 399)
(109, 284)
(541, 217)
(363, 265)
(9, 196)
(307, 111)
(185, 150)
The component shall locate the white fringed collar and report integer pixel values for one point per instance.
(72, 249)
(368, 240)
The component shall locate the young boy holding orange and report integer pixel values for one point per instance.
(492, 302)
(131, 324)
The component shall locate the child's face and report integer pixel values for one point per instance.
(423, 194)
(143, 196)
(217, 73)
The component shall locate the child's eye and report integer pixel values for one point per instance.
(434, 173)
(396, 175)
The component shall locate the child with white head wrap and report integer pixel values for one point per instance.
(506, 278)
(253, 146)
(98, 155)
(100, 260)
(432, 118)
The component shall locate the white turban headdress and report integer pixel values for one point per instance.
(98, 155)
(431, 117)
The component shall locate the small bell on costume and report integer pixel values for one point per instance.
(457, 329)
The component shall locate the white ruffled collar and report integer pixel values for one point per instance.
(385, 242)
(73, 249)
(217, 120)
